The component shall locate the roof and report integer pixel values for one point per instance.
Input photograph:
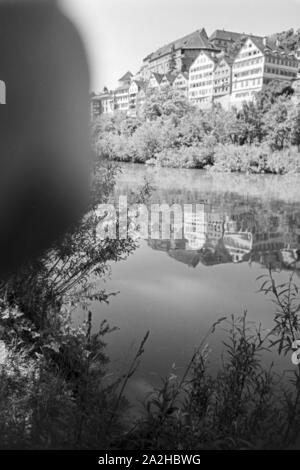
(102, 96)
(140, 83)
(170, 77)
(196, 40)
(125, 77)
(158, 76)
(184, 74)
(229, 35)
(122, 88)
(228, 59)
(209, 55)
(264, 44)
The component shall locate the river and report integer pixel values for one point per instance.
(176, 290)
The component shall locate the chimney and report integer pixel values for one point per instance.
(265, 40)
(277, 42)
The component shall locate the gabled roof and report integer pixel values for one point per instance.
(128, 75)
(170, 77)
(140, 83)
(270, 45)
(122, 88)
(183, 74)
(209, 55)
(229, 35)
(102, 96)
(227, 58)
(157, 76)
(196, 40)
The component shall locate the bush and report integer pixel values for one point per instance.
(185, 157)
(255, 159)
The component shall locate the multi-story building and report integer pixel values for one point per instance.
(222, 39)
(167, 80)
(136, 96)
(102, 103)
(178, 55)
(95, 106)
(121, 98)
(155, 80)
(107, 103)
(181, 82)
(222, 77)
(121, 93)
(257, 63)
(201, 79)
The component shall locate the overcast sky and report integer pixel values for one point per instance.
(120, 33)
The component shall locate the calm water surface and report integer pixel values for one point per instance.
(177, 289)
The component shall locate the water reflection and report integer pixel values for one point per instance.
(177, 288)
(245, 233)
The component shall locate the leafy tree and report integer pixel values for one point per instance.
(265, 98)
(166, 102)
(279, 123)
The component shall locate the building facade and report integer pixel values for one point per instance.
(178, 55)
(222, 39)
(201, 79)
(222, 79)
(121, 93)
(256, 64)
(181, 82)
(102, 104)
(136, 96)
(205, 72)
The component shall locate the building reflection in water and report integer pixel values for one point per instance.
(239, 234)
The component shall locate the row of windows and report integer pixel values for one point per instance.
(222, 71)
(207, 91)
(248, 72)
(286, 73)
(248, 53)
(120, 99)
(219, 89)
(221, 80)
(201, 67)
(275, 60)
(245, 63)
(246, 83)
(199, 84)
(200, 75)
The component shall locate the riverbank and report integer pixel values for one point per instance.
(262, 137)
(232, 159)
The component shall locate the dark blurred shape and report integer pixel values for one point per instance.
(44, 160)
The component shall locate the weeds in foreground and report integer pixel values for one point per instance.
(245, 405)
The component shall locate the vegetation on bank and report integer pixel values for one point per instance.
(56, 387)
(262, 137)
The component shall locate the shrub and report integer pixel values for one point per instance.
(184, 157)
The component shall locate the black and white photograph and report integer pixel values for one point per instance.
(149, 230)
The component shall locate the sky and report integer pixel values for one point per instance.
(118, 34)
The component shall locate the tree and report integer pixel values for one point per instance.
(280, 124)
(265, 98)
(166, 102)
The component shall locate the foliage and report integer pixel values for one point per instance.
(171, 131)
(54, 392)
(245, 405)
